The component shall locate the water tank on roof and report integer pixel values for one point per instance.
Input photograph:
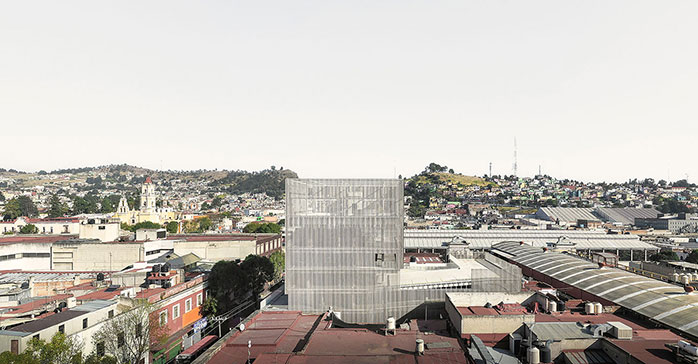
(413, 259)
(390, 325)
(589, 308)
(686, 279)
(598, 308)
(533, 355)
(546, 354)
(552, 306)
(100, 277)
(694, 277)
(420, 347)
(675, 277)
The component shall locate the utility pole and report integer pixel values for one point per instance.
(515, 160)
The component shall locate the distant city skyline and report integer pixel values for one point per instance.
(592, 91)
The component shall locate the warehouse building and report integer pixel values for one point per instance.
(658, 301)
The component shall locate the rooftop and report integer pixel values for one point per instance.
(657, 300)
(52, 320)
(294, 338)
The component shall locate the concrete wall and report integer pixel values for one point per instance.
(464, 299)
(104, 232)
(12, 256)
(216, 250)
(84, 256)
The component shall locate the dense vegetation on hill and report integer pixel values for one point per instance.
(436, 181)
(128, 178)
(270, 181)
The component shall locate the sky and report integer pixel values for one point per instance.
(591, 90)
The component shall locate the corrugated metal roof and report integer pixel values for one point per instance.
(557, 331)
(663, 302)
(568, 214)
(626, 215)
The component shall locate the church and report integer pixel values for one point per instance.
(148, 210)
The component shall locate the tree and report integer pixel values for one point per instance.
(204, 224)
(29, 229)
(127, 337)
(140, 225)
(278, 259)
(666, 255)
(259, 271)
(205, 206)
(172, 227)
(20, 206)
(262, 228)
(80, 206)
(2, 197)
(692, 257)
(209, 307)
(56, 207)
(106, 205)
(228, 285)
(60, 350)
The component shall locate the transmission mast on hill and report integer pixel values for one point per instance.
(490, 169)
(515, 161)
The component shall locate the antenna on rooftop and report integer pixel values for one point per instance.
(515, 159)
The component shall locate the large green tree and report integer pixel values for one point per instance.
(60, 350)
(278, 259)
(172, 227)
(56, 207)
(20, 206)
(29, 229)
(232, 282)
(262, 228)
(693, 257)
(106, 206)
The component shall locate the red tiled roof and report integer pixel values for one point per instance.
(100, 295)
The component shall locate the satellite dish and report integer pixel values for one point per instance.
(242, 327)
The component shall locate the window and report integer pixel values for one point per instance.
(111, 313)
(379, 257)
(139, 330)
(187, 305)
(163, 318)
(199, 299)
(175, 311)
(84, 323)
(61, 329)
(102, 227)
(36, 337)
(120, 339)
(100, 348)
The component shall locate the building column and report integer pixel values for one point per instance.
(631, 255)
(645, 254)
(618, 252)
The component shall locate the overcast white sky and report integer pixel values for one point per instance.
(592, 90)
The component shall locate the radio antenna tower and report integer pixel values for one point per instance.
(490, 169)
(515, 161)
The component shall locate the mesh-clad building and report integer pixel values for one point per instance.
(344, 246)
(344, 249)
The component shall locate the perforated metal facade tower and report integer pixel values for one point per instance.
(344, 247)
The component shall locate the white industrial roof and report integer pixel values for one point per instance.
(663, 302)
(568, 214)
(484, 239)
